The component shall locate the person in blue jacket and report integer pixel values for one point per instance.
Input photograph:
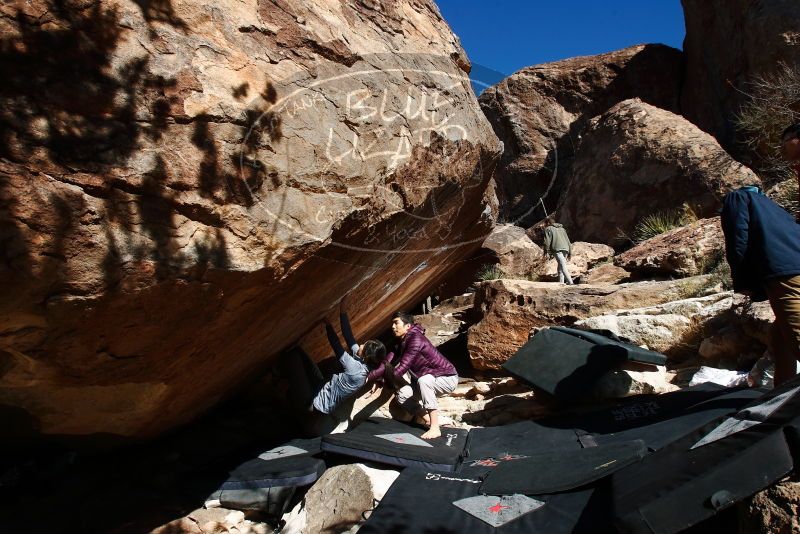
(762, 246)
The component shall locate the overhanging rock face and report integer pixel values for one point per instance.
(186, 190)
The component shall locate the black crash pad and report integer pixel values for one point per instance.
(396, 443)
(268, 481)
(561, 469)
(451, 503)
(655, 419)
(645, 488)
(566, 362)
(711, 468)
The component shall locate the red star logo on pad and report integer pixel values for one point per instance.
(497, 508)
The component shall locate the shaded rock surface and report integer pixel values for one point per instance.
(540, 111)
(516, 254)
(728, 45)
(626, 382)
(633, 150)
(199, 188)
(508, 309)
(755, 318)
(447, 320)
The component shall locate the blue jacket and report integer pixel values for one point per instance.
(762, 240)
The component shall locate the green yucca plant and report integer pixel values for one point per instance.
(661, 222)
(490, 271)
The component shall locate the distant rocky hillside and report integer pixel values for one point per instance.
(543, 113)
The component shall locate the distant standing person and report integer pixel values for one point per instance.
(557, 243)
(762, 245)
(790, 147)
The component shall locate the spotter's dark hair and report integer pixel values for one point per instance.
(406, 317)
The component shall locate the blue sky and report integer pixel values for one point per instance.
(506, 35)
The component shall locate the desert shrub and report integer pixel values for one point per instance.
(490, 271)
(773, 104)
(661, 222)
(785, 194)
(716, 266)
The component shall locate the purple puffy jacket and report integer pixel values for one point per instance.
(418, 355)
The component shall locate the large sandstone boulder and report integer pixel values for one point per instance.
(540, 111)
(188, 187)
(605, 273)
(728, 44)
(584, 257)
(517, 256)
(636, 160)
(686, 251)
(508, 309)
(662, 327)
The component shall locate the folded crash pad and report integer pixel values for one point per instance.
(396, 443)
(711, 468)
(566, 362)
(268, 481)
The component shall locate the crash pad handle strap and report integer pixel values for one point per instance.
(586, 440)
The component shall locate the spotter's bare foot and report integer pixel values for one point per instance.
(432, 434)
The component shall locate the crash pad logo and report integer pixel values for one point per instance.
(494, 462)
(282, 452)
(404, 438)
(497, 511)
(635, 411)
(364, 141)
